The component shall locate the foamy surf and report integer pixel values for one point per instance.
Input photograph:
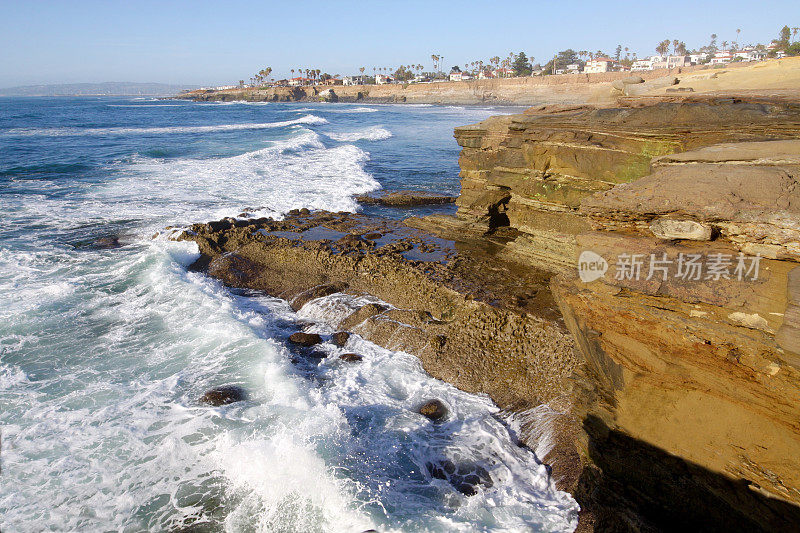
(372, 133)
(104, 353)
(77, 132)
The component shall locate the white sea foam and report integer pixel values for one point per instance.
(372, 133)
(60, 132)
(295, 172)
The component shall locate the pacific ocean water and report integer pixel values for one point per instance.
(105, 352)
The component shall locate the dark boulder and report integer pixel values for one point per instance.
(433, 409)
(224, 395)
(305, 339)
(351, 357)
(106, 243)
(340, 338)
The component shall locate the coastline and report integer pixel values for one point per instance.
(601, 89)
(606, 357)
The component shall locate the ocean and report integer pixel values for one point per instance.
(104, 352)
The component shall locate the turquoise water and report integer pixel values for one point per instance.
(105, 352)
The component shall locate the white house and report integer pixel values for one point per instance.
(598, 64)
(350, 80)
(573, 68)
(382, 79)
(641, 64)
(721, 58)
(678, 61)
(751, 55)
(696, 59)
(456, 76)
(295, 82)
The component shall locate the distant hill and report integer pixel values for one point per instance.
(97, 89)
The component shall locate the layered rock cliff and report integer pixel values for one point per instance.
(531, 171)
(686, 316)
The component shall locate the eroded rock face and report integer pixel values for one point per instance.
(694, 380)
(532, 171)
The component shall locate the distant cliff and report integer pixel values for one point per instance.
(573, 88)
(776, 77)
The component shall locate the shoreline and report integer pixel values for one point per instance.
(496, 306)
(600, 89)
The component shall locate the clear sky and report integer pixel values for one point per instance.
(203, 43)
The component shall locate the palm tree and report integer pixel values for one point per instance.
(292, 70)
(713, 43)
(724, 45)
(794, 32)
(738, 31)
(362, 75)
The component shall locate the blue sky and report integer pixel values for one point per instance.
(202, 42)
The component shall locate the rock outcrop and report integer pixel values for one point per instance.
(688, 398)
(474, 320)
(691, 340)
(405, 198)
(531, 171)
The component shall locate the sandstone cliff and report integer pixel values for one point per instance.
(770, 78)
(689, 395)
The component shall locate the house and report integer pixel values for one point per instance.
(456, 76)
(332, 81)
(751, 55)
(678, 61)
(350, 80)
(296, 82)
(282, 83)
(598, 64)
(721, 58)
(383, 79)
(503, 73)
(641, 64)
(485, 74)
(696, 59)
(419, 78)
(573, 68)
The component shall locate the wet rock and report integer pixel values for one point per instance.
(406, 199)
(351, 357)
(372, 236)
(317, 292)
(362, 314)
(305, 211)
(433, 409)
(436, 471)
(340, 338)
(317, 354)
(224, 395)
(106, 243)
(305, 339)
(466, 489)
